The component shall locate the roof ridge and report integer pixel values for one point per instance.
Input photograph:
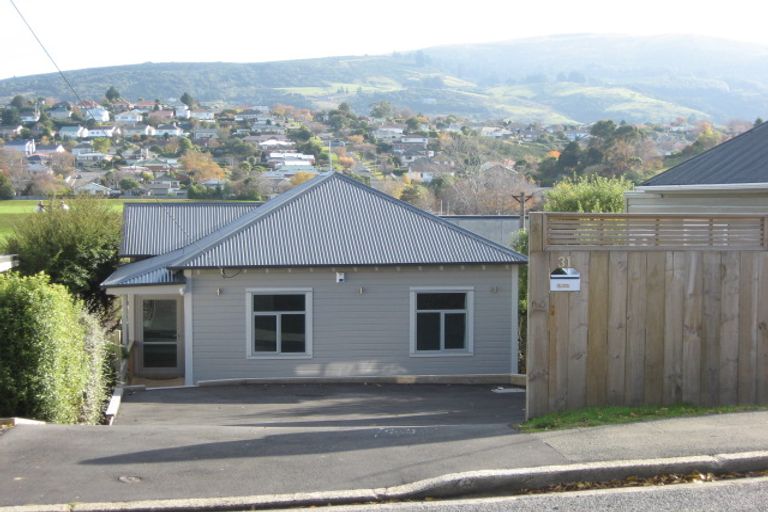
(249, 218)
(705, 153)
(430, 216)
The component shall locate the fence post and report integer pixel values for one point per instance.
(537, 358)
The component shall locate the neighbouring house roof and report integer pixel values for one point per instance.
(331, 220)
(742, 159)
(156, 228)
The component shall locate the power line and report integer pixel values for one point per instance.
(66, 80)
(164, 208)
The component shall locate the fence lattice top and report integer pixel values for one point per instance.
(568, 231)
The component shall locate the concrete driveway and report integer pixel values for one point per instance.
(324, 405)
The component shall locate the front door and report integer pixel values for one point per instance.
(160, 353)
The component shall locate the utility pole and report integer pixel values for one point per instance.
(521, 200)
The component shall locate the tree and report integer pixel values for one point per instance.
(18, 102)
(102, 144)
(76, 247)
(200, 166)
(63, 164)
(112, 94)
(590, 194)
(187, 99)
(6, 187)
(301, 177)
(10, 116)
(128, 184)
(382, 110)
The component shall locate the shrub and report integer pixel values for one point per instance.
(51, 353)
(76, 247)
(590, 194)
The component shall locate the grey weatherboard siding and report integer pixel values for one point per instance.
(354, 335)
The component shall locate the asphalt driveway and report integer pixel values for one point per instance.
(324, 405)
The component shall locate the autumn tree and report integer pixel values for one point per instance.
(200, 166)
(63, 164)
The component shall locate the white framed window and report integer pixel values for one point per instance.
(279, 323)
(442, 321)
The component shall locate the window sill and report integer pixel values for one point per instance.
(279, 356)
(441, 354)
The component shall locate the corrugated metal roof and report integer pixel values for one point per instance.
(153, 228)
(335, 220)
(330, 220)
(151, 271)
(743, 159)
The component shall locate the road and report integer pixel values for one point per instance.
(730, 495)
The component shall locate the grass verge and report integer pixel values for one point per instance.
(595, 416)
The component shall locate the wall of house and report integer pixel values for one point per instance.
(704, 203)
(354, 334)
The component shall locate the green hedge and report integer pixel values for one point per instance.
(52, 353)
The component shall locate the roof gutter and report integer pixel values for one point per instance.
(713, 187)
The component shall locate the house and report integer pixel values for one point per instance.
(731, 177)
(98, 114)
(388, 133)
(83, 147)
(164, 186)
(139, 130)
(73, 132)
(93, 157)
(104, 132)
(205, 134)
(170, 130)
(95, 189)
(131, 117)
(10, 131)
(182, 112)
(27, 147)
(330, 280)
(49, 149)
(161, 116)
(202, 115)
(61, 113)
(30, 116)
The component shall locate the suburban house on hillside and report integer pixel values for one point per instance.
(330, 280)
(729, 178)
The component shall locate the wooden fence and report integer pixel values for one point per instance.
(671, 309)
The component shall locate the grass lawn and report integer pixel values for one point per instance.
(595, 416)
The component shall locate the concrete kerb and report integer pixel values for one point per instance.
(448, 486)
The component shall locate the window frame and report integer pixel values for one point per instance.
(250, 353)
(469, 324)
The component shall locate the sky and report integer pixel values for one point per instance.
(94, 33)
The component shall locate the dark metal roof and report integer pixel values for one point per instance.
(151, 271)
(742, 159)
(331, 220)
(335, 220)
(152, 228)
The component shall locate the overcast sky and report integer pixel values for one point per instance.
(94, 33)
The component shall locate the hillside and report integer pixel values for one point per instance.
(556, 79)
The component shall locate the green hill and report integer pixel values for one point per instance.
(557, 79)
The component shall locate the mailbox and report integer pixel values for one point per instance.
(564, 280)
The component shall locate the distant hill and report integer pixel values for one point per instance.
(554, 79)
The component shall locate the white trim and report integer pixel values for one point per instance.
(171, 289)
(308, 322)
(189, 375)
(715, 187)
(470, 322)
(513, 318)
